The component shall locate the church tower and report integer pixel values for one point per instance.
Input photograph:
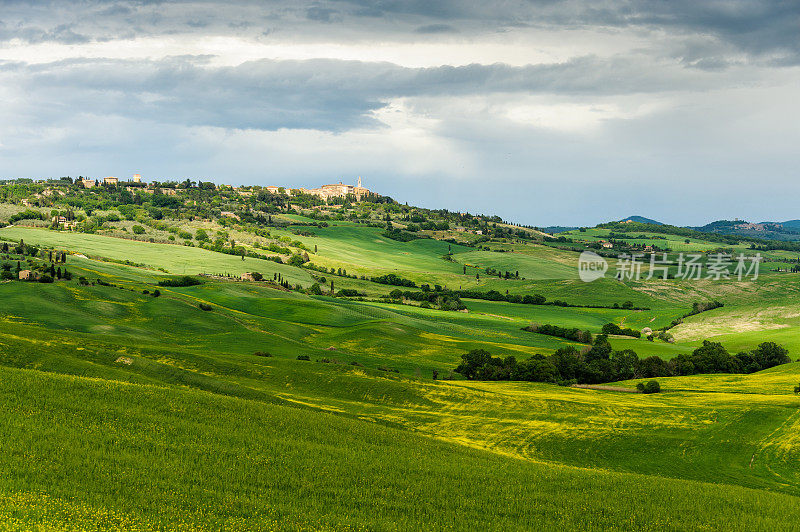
(359, 181)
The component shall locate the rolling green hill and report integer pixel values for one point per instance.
(132, 456)
(253, 405)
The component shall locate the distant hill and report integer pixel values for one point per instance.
(553, 229)
(722, 226)
(790, 224)
(641, 219)
(764, 230)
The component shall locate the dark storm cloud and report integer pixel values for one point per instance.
(763, 29)
(320, 14)
(758, 27)
(436, 28)
(322, 94)
(63, 34)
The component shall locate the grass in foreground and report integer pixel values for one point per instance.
(86, 454)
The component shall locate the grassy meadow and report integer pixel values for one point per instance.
(125, 411)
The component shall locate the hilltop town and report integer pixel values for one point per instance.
(325, 192)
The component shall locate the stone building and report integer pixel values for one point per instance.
(28, 275)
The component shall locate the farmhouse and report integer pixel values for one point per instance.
(110, 180)
(248, 277)
(607, 245)
(28, 275)
(87, 183)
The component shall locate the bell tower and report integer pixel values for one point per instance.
(359, 181)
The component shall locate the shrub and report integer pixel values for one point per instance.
(6, 275)
(262, 354)
(204, 306)
(392, 279)
(303, 357)
(349, 292)
(296, 260)
(25, 215)
(184, 280)
(574, 334)
(613, 328)
(45, 279)
(649, 387)
(156, 292)
(138, 230)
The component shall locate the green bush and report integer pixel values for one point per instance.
(138, 230)
(204, 306)
(184, 280)
(649, 387)
(303, 357)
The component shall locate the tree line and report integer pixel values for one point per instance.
(600, 363)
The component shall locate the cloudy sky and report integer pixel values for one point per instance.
(541, 111)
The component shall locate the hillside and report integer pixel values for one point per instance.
(640, 219)
(138, 456)
(762, 230)
(165, 385)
